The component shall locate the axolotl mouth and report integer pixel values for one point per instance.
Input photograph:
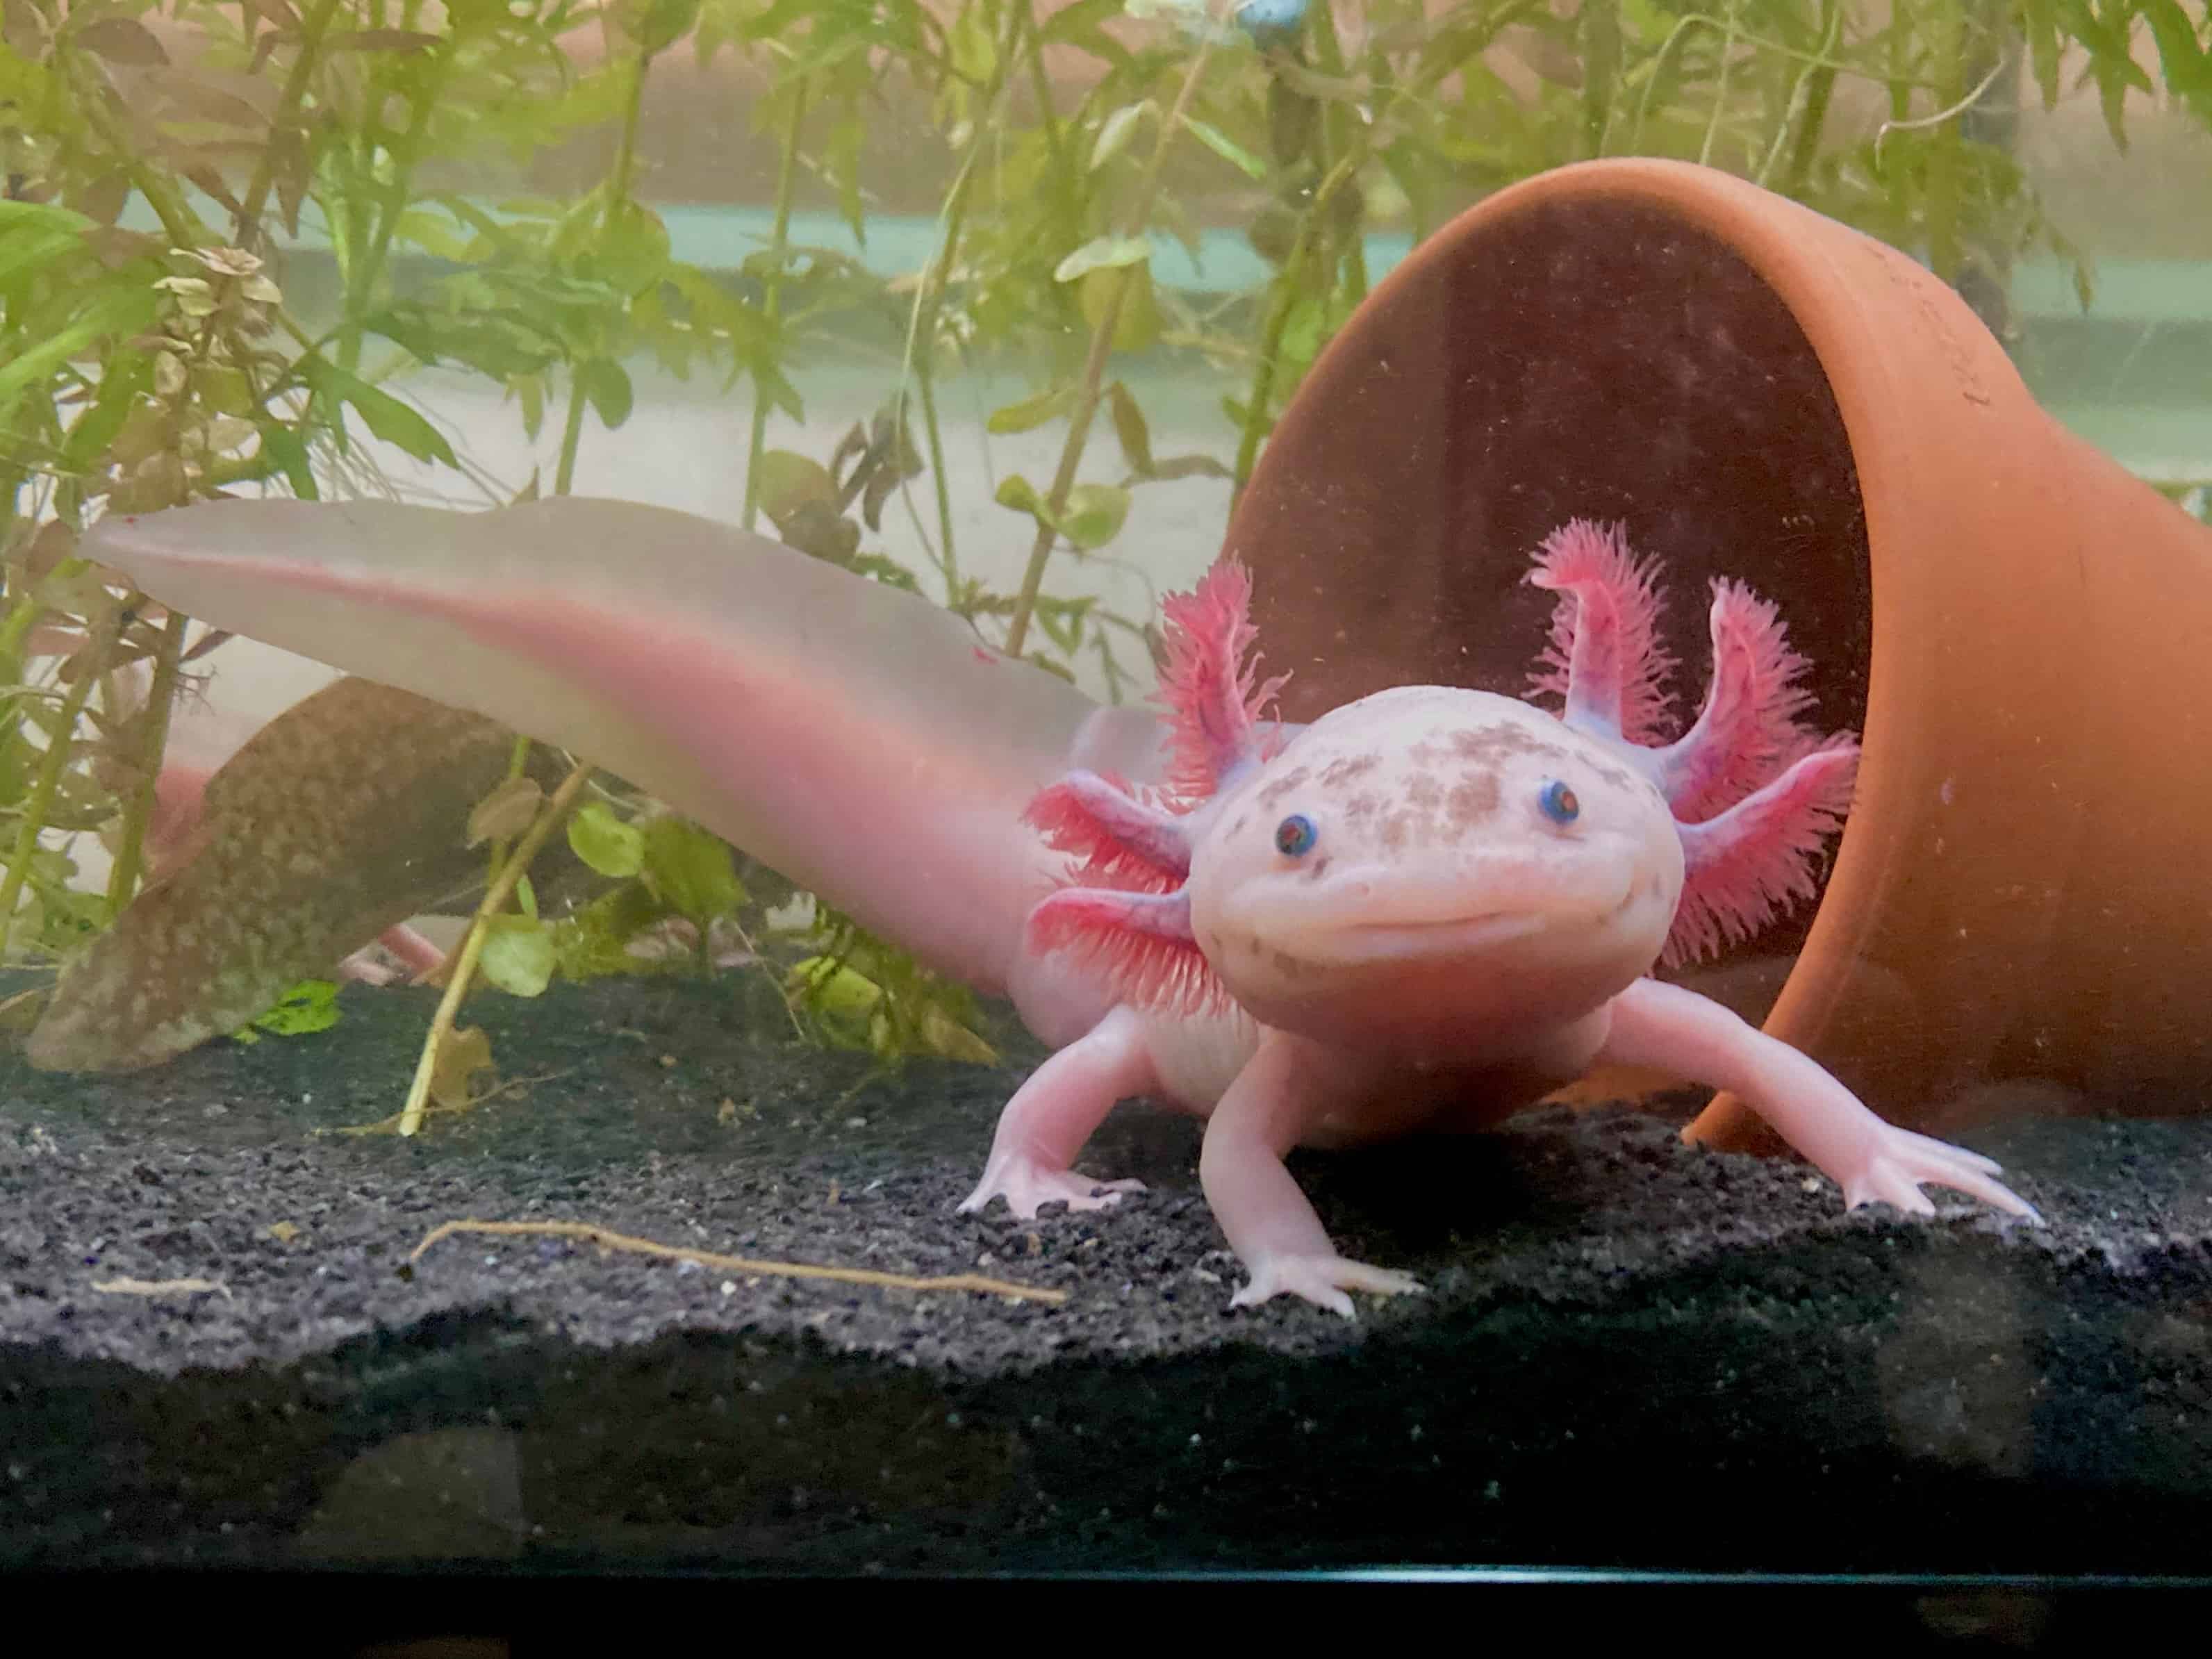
(1448, 936)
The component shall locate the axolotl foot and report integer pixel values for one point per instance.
(1895, 1163)
(1026, 1185)
(1321, 1280)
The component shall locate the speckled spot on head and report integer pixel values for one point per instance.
(1317, 868)
(1473, 798)
(1272, 795)
(1346, 769)
(1498, 741)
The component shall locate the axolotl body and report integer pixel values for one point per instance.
(1422, 911)
(1431, 907)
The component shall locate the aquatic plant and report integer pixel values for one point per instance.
(165, 338)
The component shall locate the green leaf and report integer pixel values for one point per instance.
(1138, 325)
(26, 248)
(1032, 412)
(290, 452)
(310, 1005)
(1062, 620)
(664, 23)
(128, 374)
(2187, 66)
(1129, 427)
(1226, 147)
(120, 41)
(633, 251)
(606, 843)
(973, 52)
(508, 809)
(530, 391)
(1019, 493)
(1078, 23)
(787, 481)
(386, 416)
(1103, 254)
(518, 955)
(691, 870)
(1094, 515)
(1116, 131)
(435, 234)
(842, 158)
(1189, 466)
(112, 310)
(494, 343)
(1293, 122)
(606, 383)
(840, 996)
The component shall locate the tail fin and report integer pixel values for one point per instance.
(855, 737)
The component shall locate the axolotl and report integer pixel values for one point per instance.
(1421, 912)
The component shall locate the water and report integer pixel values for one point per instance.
(694, 1245)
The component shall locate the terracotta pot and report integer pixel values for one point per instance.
(2021, 631)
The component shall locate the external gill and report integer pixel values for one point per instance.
(1753, 791)
(1125, 907)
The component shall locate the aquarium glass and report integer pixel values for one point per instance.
(927, 787)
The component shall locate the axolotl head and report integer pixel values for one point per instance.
(1435, 865)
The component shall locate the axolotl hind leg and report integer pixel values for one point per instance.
(1046, 1123)
(1282, 1092)
(1678, 1031)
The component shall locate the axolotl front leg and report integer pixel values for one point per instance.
(1046, 1123)
(1287, 1092)
(1678, 1031)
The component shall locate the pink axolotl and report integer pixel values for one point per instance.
(1423, 911)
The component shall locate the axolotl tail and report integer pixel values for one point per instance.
(855, 737)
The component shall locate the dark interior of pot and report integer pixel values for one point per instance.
(1581, 359)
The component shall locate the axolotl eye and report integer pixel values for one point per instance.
(1559, 802)
(1295, 835)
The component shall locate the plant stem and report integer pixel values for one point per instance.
(1944, 253)
(1721, 89)
(178, 223)
(617, 195)
(571, 435)
(922, 336)
(160, 699)
(51, 765)
(308, 58)
(948, 561)
(464, 965)
(360, 284)
(1818, 86)
(772, 300)
(1094, 365)
(626, 147)
(1279, 317)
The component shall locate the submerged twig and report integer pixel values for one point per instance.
(607, 1239)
